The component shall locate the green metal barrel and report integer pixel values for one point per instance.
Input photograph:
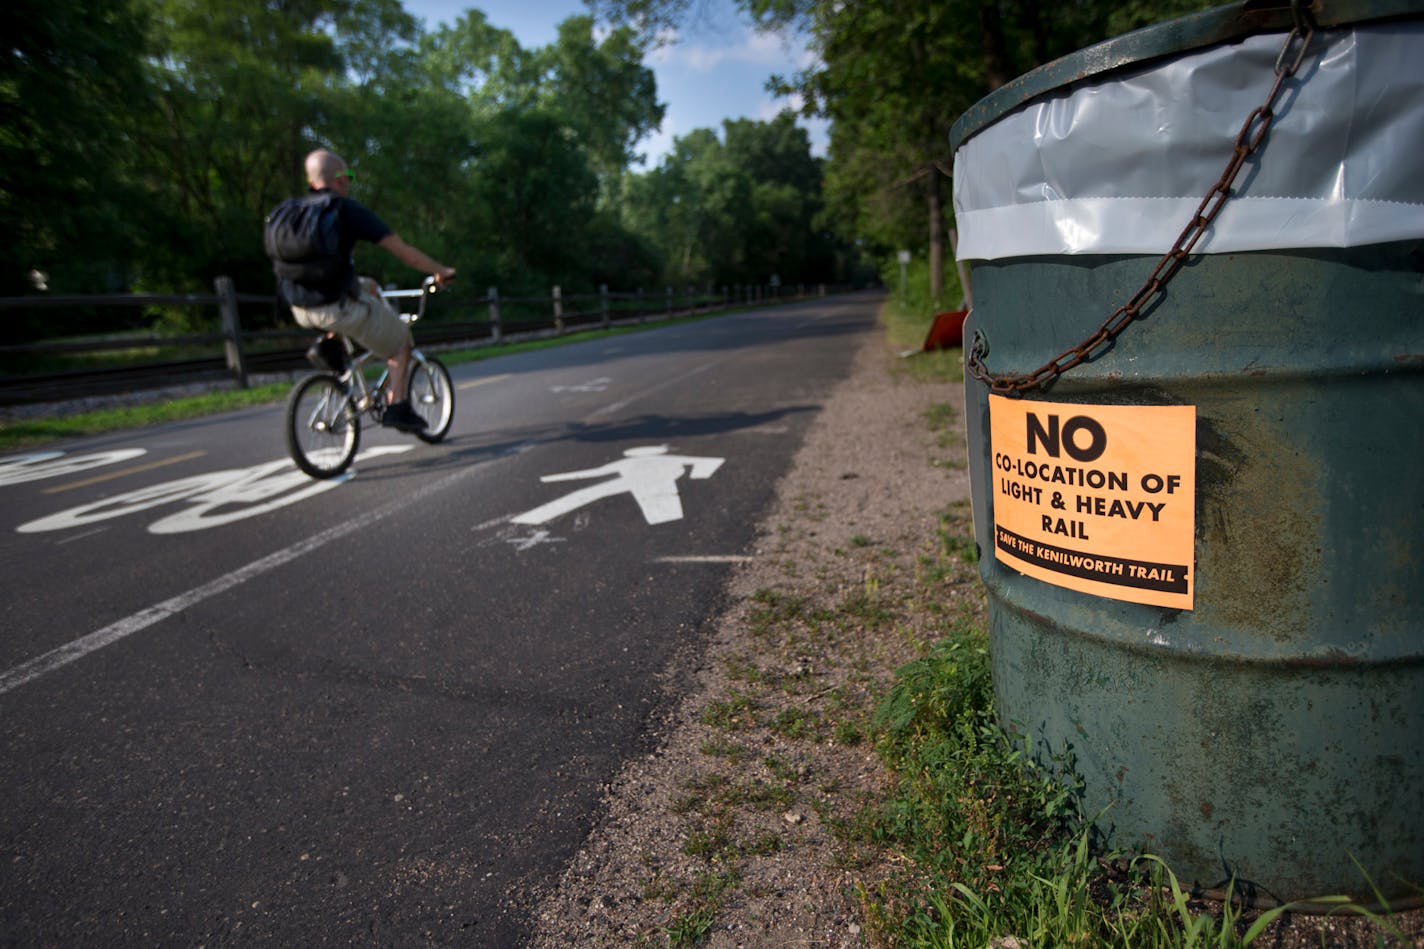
(1203, 543)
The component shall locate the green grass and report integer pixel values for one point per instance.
(908, 316)
(996, 844)
(28, 432)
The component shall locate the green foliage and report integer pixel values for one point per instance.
(735, 210)
(996, 843)
(145, 140)
(894, 75)
(70, 81)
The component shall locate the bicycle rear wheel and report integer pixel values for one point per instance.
(323, 428)
(432, 396)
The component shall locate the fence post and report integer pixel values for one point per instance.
(231, 329)
(603, 303)
(496, 329)
(558, 312)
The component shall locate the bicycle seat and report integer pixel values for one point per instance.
(328, 352)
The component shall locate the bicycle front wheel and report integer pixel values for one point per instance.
(432, 396)
(323, 428)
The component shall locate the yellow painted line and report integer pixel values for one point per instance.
(480, 382)
(123, 472)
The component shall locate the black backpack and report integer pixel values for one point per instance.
(303, 238)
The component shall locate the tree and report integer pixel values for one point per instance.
(737, 211)
(893, 75)
(600, 90)
(70, 75)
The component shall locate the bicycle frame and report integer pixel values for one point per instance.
(371, 397)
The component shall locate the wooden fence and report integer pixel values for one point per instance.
(36, 371)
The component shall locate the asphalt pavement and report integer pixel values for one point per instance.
(241, 706)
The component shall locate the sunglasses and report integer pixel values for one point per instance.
(346, 173)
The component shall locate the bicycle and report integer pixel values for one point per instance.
(323, 417)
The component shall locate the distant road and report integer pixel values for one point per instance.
(238, 705)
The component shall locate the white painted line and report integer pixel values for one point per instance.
(613, 407)
(711, 558)
(70, 540)
(126, 627)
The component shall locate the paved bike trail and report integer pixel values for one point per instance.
(242, 706)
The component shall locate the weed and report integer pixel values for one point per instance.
(735, 713)
(780, 769)
(742, 669)
(706, 843)
(721, 747)
(849, 733)
(765, 843)
(865, 606)
(940, 416)
(954, 545)
(763, 796)
(793, 722)
(687, 929)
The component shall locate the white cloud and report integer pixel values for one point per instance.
(749, 48)
(771, 108)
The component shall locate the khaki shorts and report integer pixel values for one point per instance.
(368, 319)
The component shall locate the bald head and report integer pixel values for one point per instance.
(322, 168)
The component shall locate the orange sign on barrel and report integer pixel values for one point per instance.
(1097, 498)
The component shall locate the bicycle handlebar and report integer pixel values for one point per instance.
(427, 286)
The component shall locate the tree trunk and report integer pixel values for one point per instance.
(936, 236)
(997, 70)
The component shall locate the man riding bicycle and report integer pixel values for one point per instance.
(341, 303)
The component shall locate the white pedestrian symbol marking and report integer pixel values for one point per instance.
(650, 474)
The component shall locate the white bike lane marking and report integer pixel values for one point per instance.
(122, 629)
(600, 384)
(209, 492)
(243, 492)
(38, 466)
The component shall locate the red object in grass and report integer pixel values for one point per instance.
(947, 331)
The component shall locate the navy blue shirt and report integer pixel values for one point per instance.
(355, 222)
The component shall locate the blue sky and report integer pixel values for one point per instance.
(715, 70)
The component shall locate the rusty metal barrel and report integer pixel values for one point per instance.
(1196, 430)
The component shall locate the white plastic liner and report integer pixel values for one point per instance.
(1121, 164)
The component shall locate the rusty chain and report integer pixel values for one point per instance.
(1248, 140)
